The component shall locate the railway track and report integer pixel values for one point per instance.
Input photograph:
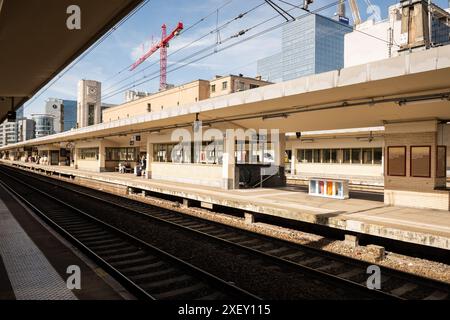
(148, 272)
(338, 269)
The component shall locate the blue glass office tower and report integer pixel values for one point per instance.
(70, 114)
(312, 44)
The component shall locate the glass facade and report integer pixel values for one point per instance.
(44, 125)
(310, 45)
(70, 114)
(19, 113)
(64, 112)
(271, 68)
(440, 31)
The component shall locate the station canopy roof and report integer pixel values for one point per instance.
(35, 43)
(407, 88)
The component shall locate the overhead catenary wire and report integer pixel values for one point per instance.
(344, 25)
(185, 30)
(212, 46)
(148, 78)
(86, 53)
(205, 17)
(280, 10)
(217, 29)
(134, 84)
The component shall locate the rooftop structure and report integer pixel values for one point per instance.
(377, 40)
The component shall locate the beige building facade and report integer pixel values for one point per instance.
(223, 85)
(171, 98)
(182, 95)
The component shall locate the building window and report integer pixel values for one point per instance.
(211, 152)
(396, 161)
(367, 155)
(224, 85)
(121, 154)
(346, 156)
(171, 152)
(88, 154)
(241, 86)
(213, 88)
(356, 155)
(351, 156)
(91, 114)
(254, 86)
(421, 161)
(377, 155)
(300, 155)
(326, 155)
(149, 107)
(160, 153)
(334, 155)
(441, 159)
(308, 155)
(316, 155)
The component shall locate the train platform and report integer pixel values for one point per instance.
(424, 227)
(34, 261)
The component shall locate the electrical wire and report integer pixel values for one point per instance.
(346, 25)
(195, 24)
(221, 27)
(84, 54)
(134, 84)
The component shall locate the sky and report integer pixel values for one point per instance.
(108, 61)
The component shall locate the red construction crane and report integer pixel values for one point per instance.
(163, 44)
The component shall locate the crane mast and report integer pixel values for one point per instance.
(163, 61)
(341, 8)
(355, 12)
(162, 46)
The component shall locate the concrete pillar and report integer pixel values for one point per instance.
(229, 172)
(280, 149)
(293, 160)
(75, 158)
(101, 157)
(411, 179)
(253, 148)
(274, 175)
(148, 169)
